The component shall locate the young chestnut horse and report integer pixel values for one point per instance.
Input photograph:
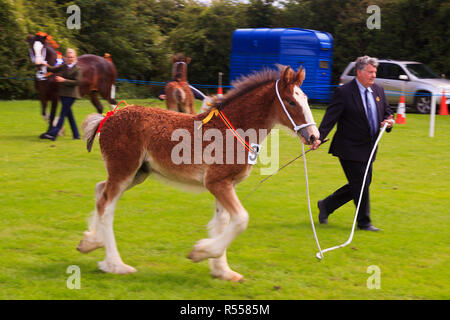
(99, 75)
(137, 141)
(179, 96)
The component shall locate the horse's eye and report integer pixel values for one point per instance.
(291, 103)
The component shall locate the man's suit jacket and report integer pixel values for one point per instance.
(352, 140)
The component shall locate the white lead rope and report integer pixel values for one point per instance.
(198, 91)
(319, 255)
(309, 202)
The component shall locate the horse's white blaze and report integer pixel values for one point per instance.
(113, 92)
(175, 66)
(37, 48)
(302, 100)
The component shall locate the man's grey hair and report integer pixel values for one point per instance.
(362, 62)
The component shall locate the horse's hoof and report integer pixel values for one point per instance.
(202, 251)
(89, 243)
(238, 278)
(197, 256)
(87, 246)
(229, 276)
(114, 267)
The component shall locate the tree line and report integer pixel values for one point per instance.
(142, 35)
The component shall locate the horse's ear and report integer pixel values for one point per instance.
(287, 75)
(188, 60)
(300, 76)
(174, 59)
(30, 38)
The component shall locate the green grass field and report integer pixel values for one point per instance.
(47, 194)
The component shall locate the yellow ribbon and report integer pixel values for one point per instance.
(213, 112)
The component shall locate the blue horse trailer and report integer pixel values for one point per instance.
(254, 49)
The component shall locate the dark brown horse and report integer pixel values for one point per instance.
(44, 82)
(179, 96)
(137, 141)
(99, 75)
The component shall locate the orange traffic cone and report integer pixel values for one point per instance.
(401, 113)
(219, 89)
(443, 110)
(219, 92)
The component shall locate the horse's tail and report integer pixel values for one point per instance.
(90, 126)
(179, 95)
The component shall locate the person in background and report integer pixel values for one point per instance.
(68, 82)
(59, 59)
(358, 108)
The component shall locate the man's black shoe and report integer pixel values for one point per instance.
(323, 213)
(369, 228)
(47, 136)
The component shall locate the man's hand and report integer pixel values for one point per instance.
(59, 79)
(390, 121)
(316, 144)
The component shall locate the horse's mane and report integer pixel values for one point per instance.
(247, 83)
(48, 40)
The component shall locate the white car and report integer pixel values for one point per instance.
(416, 80)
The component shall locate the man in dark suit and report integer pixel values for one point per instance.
(359, 108)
